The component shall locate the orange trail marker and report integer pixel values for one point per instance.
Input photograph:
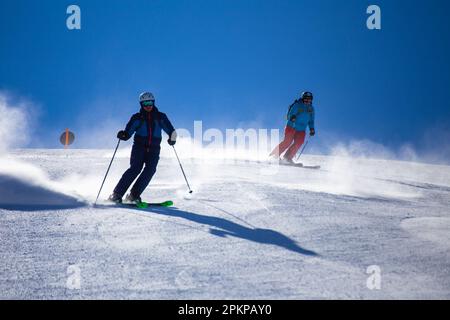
(67, 138)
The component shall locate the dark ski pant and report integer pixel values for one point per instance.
(140, 155)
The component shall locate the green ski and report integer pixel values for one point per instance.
(143, 204)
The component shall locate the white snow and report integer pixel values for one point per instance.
(249, 231)
(435, 229)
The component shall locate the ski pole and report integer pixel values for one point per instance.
(107, 171)
(182, 170)
(303, 149)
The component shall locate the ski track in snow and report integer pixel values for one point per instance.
(249, 231)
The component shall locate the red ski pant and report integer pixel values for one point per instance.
(293, 140)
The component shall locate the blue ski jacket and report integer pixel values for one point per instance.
(302, 116)
(147, 128)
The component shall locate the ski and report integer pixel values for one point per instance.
(144, 205)
(279, 163)
(299, 165)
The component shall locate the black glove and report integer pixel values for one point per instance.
(312, 132)
(123, 135)
(171, 142)
(293, 118)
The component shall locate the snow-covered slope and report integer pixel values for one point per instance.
(249, 230)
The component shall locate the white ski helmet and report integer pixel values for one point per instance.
(146, 96)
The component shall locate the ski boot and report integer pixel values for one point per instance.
(115, 197)
(290, 162)
(287, 161)
(273, 159)
(131, 198)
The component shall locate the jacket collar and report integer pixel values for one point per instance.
(303, 104)
(145, 113)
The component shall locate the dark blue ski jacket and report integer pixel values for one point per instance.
(147, 128)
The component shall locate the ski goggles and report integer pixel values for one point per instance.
(149, 103)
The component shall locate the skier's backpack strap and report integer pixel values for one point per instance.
(290, 108)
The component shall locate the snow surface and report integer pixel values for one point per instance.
(249, 231)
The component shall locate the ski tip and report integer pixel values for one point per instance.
(144, 205)
(168, 203)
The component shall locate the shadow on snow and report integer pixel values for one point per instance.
(16, 194)
(222, 228)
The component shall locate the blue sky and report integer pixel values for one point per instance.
(232, 63)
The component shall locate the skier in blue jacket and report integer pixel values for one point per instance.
(300, 116)
(146, 126)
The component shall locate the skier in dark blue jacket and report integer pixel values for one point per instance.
(146, 126)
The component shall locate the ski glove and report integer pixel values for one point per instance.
(312, 132)
(123, 135)
(293, 118)
(171, 142)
